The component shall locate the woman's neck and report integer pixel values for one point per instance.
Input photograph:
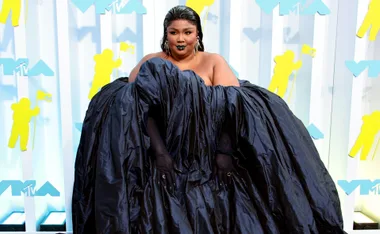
(184, 58)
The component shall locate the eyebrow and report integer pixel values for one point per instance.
(183, 29)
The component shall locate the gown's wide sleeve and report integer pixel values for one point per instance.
(279, 184)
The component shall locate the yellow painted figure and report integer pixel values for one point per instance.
(22, 114)
(43, 96)
(285, 65)
(104, 65)
(126, 47)
(199, 5)
(13, 6)
(372, 19)
(367, 135)
(308, 50)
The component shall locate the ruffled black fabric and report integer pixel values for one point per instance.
(279, 183)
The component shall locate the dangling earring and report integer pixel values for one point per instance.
(166, 47)
(197, 46)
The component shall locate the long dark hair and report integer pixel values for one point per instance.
(186, 13)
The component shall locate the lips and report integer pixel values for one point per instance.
(180, 47)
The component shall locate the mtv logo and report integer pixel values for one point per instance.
(21, 67)
(357, 68)
(28, 188)
(367, 187)
(117, 6)
(294, 7)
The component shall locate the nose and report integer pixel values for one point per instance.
(180, 38)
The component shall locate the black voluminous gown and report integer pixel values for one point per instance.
(279, 184)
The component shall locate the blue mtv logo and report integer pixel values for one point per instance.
(357, 68)
(22, 68)
(116, 6)
(28, 188)
(295, 7)
(366, 186)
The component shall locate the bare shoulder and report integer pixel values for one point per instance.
(149, 56)
(207, 56)
(214, 59)
(152, 55)
(222, 73)
(136, 69)
(208, 59)
(217, 58)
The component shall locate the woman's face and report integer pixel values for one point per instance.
(182, 37)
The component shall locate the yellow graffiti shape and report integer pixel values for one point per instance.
(367, 135)
(126, 47)
(284, 67)
(104, 65)
(372, 19)
(8, 6)
(199, 5)
(306, 49)
(42, 96)
(22, 114)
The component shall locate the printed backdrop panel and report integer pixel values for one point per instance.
(321, 56)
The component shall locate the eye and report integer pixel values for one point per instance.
(172, 32)
(188, 33)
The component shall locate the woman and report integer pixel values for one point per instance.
(182, 45)
(185, 147)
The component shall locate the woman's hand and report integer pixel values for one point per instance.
(163, 160)
(224, 168)
(165, 168)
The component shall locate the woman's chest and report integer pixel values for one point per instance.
(204, 71)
